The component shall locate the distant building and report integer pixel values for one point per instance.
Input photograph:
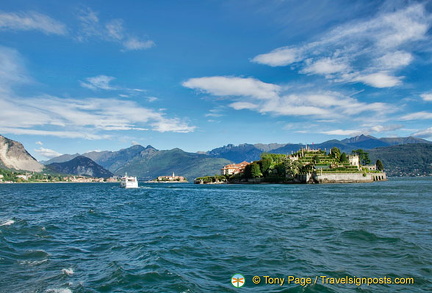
(370, 167)
(24, 177)
(354, 160)
(234, 168)
(171, 178)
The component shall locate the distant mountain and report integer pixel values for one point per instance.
(405, 160)
(81, 166)
(60, 159)
(148, 163)
(13, 155)
(114, 161)
(151, 164)
(364, 142)
(237, 154)
(252, 152)
(268, 147)
(404, 140)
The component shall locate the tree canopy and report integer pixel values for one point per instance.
(363, 156)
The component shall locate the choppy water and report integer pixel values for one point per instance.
(64, 238)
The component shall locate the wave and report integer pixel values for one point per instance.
(7, 223)
(68, 271)
(59, 290)
(363, 235)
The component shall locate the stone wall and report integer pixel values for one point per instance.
(350, 177)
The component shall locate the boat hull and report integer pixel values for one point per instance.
(129, 182)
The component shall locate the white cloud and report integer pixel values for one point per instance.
(366, 130)
(368, 51)
(110, 31)
(348, 132)
(426, 97)
(423, 115)
(82, 134)
(252, 94)
(39, 143)
(12, 71)
(379, 80)
(92, 118)
(394, 60)
(47, 153)
(136, 44)
(172, 125)
(243, 106)
(152, 99)
(426, 133)
(382, 128)
(26, 21)
(279, 57)
(325, 66)
(98, 82)
(234, 86)
(115, 29)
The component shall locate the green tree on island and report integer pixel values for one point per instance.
(253, 170)
(343, 158)
(364, 156)
(379, 165)
(265, 165)
(315, 159)
(335, 153)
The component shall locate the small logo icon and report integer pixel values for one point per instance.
(237, 280)
(256, 280)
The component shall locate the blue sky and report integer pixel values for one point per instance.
(78, 76)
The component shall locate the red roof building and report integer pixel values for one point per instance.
(234, 168)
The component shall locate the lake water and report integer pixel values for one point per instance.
(64, 238)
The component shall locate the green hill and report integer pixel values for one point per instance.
(160, 163)
(414, 159)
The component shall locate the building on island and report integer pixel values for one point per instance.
(234, 168)
(171, 178)
(304, 166)
(354, 160)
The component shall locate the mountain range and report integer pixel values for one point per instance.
(149, 163)
(81, 166)
(251, 152)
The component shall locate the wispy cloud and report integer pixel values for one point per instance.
(422, 115)
(255, 95)
(30, 20)
(47, 153)
(112, 31)
(98, 82)
(234, 86)
(427, 97)
(363, 130)
(370, 51)
(12, 69)
(91, 118)
(426, 133)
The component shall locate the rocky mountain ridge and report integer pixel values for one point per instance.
(13, 155)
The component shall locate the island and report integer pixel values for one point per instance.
(169, 179)
(307, 165)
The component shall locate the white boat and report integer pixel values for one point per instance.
(129, 182)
